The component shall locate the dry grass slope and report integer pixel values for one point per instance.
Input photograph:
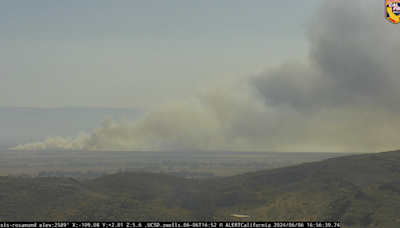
(360, 191)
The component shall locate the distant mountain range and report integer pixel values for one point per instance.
(25, 124)
(357, 190)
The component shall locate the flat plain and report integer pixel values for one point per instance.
(219, 163)
(357, 190)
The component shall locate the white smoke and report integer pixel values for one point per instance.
(343, 98)
(209, 122)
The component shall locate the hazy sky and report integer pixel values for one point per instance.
(138, 54)
(274, 76)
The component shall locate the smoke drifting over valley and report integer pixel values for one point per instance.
(344, 97)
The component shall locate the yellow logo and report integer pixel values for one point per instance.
(392, 11)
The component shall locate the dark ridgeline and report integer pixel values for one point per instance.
(358, 190)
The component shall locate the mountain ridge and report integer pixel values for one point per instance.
(358, 190)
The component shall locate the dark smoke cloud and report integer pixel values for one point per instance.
(344, 97)
(351, 61)
(349, 87)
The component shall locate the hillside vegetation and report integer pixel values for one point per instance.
(358, 190)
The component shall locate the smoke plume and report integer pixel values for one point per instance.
(343, 97)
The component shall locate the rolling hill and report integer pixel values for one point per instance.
(358, 190)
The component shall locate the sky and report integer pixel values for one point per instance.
(139, 54)
(226, 75)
